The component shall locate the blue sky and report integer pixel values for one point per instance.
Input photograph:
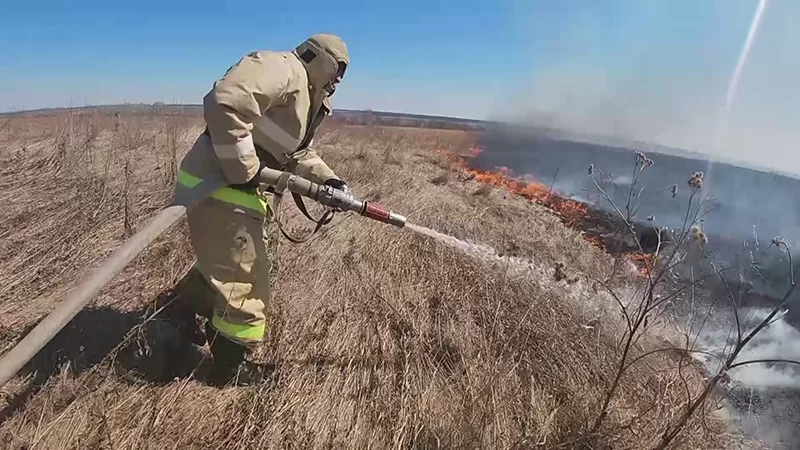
(655, 70)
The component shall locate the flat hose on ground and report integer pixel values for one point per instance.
(45, 330)
(184, 199)
(16, 358)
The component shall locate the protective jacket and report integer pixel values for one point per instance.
(265, 110)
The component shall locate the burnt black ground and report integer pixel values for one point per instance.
(744, 203)
(745, 197)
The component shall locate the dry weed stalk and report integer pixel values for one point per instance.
(126, 194)
(6, 126)
(167, 156)
(647, 306)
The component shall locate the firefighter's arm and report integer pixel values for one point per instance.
(254, 84)
(309, 165)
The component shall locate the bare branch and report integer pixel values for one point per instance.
(767, 320)
(552, 185)
(676, 428)
(608, 198)
(734, 303)
(670, 349)
(680, 290)
(627, 223)
(634, 178)
(683, 236)
(789, 253)
(616, 298)
(645, 306)
(764, 361)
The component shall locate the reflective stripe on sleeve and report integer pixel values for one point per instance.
(273, 131)
(235, 151)
(226, 194)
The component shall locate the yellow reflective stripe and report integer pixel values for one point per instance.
(226, 194)
(244, 199)
(187, 179)
(238, 331)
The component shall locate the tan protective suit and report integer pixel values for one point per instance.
(266, 108)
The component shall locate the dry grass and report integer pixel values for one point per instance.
(383, 338)
(442, 178)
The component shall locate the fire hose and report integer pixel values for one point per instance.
(16, 358)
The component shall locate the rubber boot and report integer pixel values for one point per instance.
(230, 365)
(180, 312)
(163, 352)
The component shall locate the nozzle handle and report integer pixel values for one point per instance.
(329, 196)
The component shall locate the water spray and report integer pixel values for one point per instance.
(733, 86)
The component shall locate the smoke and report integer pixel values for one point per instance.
(733, 87)
(721, 129)
(661, 74)
(778, 341)
(688, 80)
(744, 199)
(764, 398)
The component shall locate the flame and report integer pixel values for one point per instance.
(643, 261)
(594, 240)
(570, 211)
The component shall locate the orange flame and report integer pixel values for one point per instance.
(570, 211)
(643, 261)
(594, 240)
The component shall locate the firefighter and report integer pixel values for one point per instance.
(263, 112)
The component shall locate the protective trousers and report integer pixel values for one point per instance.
(235, 252)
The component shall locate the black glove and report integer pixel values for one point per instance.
(254, 182)
(337, 184)
(341, 186)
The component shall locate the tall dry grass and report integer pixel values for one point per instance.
(382, 338)
(67, 199)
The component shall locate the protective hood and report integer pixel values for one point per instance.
(321, 55)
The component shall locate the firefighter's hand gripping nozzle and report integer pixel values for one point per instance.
(328, 196)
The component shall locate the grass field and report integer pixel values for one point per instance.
(383, 338)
